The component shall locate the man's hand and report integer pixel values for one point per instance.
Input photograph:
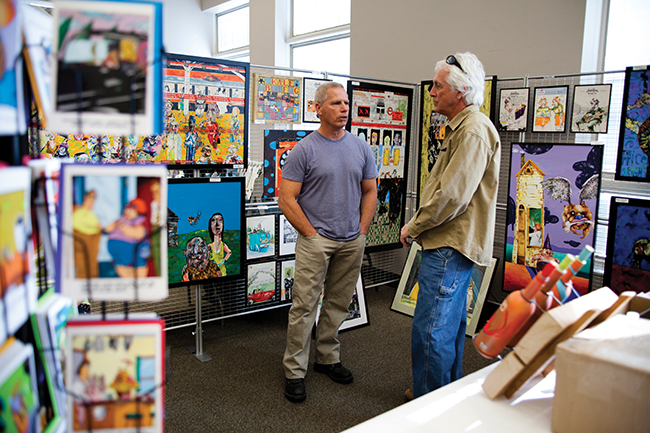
(404, 237)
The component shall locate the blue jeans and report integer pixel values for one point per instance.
(438, 333)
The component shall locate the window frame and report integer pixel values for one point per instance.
(234, 53)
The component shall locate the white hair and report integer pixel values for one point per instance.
(470, 81)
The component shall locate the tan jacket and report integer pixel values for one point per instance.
(458, 204)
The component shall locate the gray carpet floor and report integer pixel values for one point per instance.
(241, 389)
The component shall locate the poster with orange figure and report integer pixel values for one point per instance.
(550, 109)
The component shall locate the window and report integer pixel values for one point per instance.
(233, 34)
(321, 35)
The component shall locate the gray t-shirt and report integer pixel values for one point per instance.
(331, 172)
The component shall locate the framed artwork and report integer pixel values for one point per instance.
(118, 368)
(590, 112)
(38, 56)
(113, 42)
(432, 133)
(310, 85)
(357, 310)
(383, 113)
(632, 161)
(550, 105)
(260, 237)
(276, 98)
(479, 285)
(277, 146)
(260, 283)
(288, 237)
(406, 295)
(17, 280)
(627, 264)
(489, 90)
(287, 274)
(513, 109)
(112, 237)
(12, 104)
(206, 111)
(553, 194)
(206, 238)
(20, 409)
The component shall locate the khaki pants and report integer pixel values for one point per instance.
(334, 265)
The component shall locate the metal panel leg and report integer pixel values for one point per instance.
(198, 334)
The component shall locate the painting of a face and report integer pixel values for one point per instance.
(196, 252)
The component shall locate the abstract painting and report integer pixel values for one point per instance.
(277, 146)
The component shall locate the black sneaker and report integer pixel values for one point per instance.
(336, 372)
(294, 390)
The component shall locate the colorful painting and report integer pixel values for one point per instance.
(17, 283)
(260, 285)
(382, 114)
(107, 68)
(552, 209)
(310, 85)
(627, 265)
(112, 237)
(12, 103)
(286, 279)
(276, 99)
(205, 237)
(18, 392)
(479, 285)
(487, 107)
(277, 146)
(260, 237)
(432, 133)
(634, 138)
(288, 237)
(513, 109)
(115, 374)
(550, 109)
(590, 112)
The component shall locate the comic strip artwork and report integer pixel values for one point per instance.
(431, 135)
(286, 279)
(112, 232)
(552, 207)
(382, 116)
(627, 265)
(277, 146)
(513, 109)
(591, 108)
(260, 286)
(117, 367)
(206, 237)
(288, 236)
(260, 237)
(550, 109)
(276, 99)
(310, 85)
(634, 139)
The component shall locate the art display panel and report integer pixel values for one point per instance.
(550, 105)
(112, 236)
(118, 368)
(206, 230)
(634, 138)
(627, 264)
(381, 115)
(310, 85)
(552, 209)
(590, 112)
(260, 237)
(261, 283)
(104, 42)
(276, 98)
(513, 109)
(277, 146)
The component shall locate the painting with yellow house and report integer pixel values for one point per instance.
(115, 374)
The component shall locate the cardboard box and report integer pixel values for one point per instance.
(603, 378)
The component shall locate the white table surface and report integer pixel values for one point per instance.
(463, 406)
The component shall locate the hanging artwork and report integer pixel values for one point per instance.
(260, 284)
(357, 310)
(286, 279)
(19, 411)
(634, 138)
(513, 109)
(206, 111)
(260, 237)
(310, 85)
(115, 375)
(552, 209)
(107, 68)
(277, 146)
(590, 112)
(627, 264)
(288, 237)
(550, 107)
(12, 103)
(206, 238)
(432, 133)
(479, 284)
(382, 114)
(487, 107)
(276, 98)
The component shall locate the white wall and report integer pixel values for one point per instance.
(402, 40)
(186, 29)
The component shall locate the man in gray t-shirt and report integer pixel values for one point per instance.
(329, 194)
